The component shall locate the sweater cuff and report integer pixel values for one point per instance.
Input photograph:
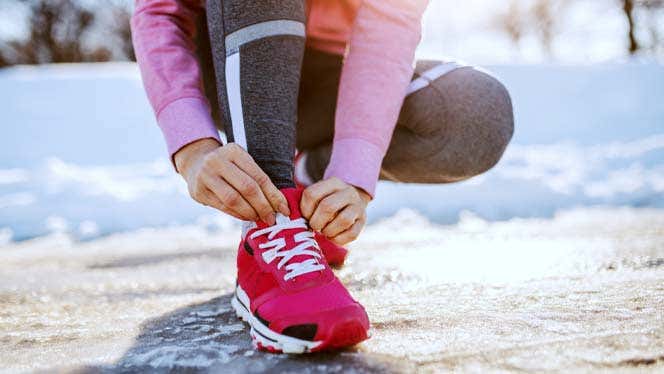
(184, 121)
(356, 162)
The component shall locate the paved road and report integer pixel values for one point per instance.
(583, 290)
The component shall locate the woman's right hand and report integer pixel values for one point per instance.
(227, 178)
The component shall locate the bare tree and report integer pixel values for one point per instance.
(512, 22)
(57, 30)
(541, 19)
(122, 30)
(628, 9)
(545, 16)
(647, 8)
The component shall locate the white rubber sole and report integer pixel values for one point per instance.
(261, 335)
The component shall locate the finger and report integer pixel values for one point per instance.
(350, 234)
(313, 194)
(210, 199)
(231, 198)
(328, 208)
(271, 192)
(342, 222)
(249, 189)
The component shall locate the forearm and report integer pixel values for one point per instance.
(162, 33)
(374, 80)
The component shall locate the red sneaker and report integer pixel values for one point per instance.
(287, 292)
(334, 254)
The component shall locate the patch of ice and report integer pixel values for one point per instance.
(187, 356)
(189, 320)
(229, 329)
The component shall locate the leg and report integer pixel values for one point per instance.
(454, 124)
(321, 73)
(257, 49)
(455, 127)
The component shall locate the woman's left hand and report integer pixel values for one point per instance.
(335, 209)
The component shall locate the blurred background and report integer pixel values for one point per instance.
(521, 31)
(81, 155)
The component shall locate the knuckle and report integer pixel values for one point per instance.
(307, 194)
(346, 220)
(209, 160)
(249, 188)
(199, 180)
(315, 224)
(262, 179)
(326, 207)
(231, 198)
(233, 148)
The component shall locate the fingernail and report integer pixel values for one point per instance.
(283, 208)
(271, 219)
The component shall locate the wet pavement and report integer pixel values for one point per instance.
(581, 291)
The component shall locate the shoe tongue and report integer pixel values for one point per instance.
(293, 196)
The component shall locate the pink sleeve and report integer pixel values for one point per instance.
(374, 79)
(162, 33)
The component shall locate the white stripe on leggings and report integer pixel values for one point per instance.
(234, 94)
(233, 43)
(431, 75)
(262, 30)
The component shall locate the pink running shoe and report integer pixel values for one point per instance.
(335, 255)
(287, 292)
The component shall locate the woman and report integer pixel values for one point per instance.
(336, 79)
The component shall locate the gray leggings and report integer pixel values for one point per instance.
(455, 122)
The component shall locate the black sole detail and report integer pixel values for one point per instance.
(303, 332)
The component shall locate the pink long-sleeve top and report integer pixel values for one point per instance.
(378, 37)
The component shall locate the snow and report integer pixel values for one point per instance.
(81, 136)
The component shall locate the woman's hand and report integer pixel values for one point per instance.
(227, 178)
(335, 209)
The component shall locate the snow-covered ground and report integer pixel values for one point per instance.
(582, 291)
(80, 152)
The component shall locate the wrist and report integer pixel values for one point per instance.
(190, 153)
(363, 195)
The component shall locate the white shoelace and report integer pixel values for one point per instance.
(304, 240)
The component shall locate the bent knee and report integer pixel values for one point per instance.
(479, 117)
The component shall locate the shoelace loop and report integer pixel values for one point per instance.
(305, 240)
